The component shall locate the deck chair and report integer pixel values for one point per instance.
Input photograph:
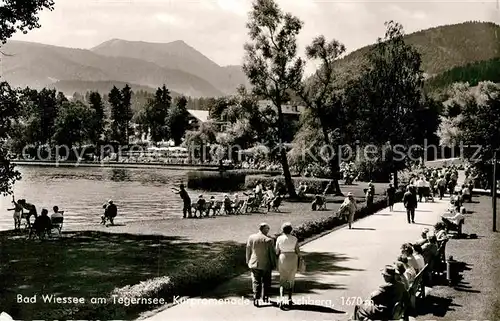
(238, 207)
(322, 207)
(217, 207)
(57, 224)
(275, 204)
(253, 205)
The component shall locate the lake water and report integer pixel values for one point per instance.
(140, 194)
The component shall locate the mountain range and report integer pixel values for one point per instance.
(148, 65)
(449, 53)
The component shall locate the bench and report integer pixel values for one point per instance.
(57, 224)
(417, 288)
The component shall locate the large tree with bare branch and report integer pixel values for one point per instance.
(320, 95)
(272, 65)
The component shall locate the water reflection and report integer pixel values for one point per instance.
(140, 194)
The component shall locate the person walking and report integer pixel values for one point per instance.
(441, 185)
(391, 195)
(287, 249)
(261, 259)
(350, 207)
(410, 203)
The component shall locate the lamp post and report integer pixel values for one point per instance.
(494, 192)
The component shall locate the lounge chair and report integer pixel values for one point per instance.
(57, 224)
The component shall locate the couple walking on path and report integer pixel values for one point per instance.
(262, 256)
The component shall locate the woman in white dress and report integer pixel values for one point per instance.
(287, 249)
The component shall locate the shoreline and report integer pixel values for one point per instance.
(35, 163)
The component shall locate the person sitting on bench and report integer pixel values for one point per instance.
(440, 232)
(423, 237)
(452, 222)
(384, 299)
(466, 194)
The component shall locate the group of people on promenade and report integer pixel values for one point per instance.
(263, 255)
(266, 197)
(400, 276)
(42, 223)
(433, 181)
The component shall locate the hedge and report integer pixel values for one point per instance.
(196, 279)
(192, 280)
(225, 181)
(315, 185)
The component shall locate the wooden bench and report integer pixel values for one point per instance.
(417, 288)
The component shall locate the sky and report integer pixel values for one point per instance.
(217, 29)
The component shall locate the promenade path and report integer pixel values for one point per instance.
(342, 266)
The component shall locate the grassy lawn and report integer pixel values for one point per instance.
(91, 264)
(88, 264)
(476, 296)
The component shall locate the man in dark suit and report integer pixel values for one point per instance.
(384, 299)
(261, 259)
(410, 203)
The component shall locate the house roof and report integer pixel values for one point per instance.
(201, 115)
(286, 108)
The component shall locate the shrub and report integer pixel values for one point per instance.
(315, 185)
(192, 280)
(217, 181)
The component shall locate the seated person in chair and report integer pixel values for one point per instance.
(201, 205)
(42, 224)
(384, 299)
(318, 202)
(440, 231)
(301, 190)
(211, 205)
(423, 237)
(274, 203)
(268, 197)
(228, 206)
(466, 194)
(453, 221)
(110, 212)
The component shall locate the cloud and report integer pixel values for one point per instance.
(238, 7)
(168, 19)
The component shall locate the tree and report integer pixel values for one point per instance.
(74, 124)
(320, 95)
(271, 63)
(47, 108)
(115, 100)
(98, 121)
(20, 15)
(479, 124)
(126, 112)
(389, 95)
(9, 110)
(156, 113)
(178, 120)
